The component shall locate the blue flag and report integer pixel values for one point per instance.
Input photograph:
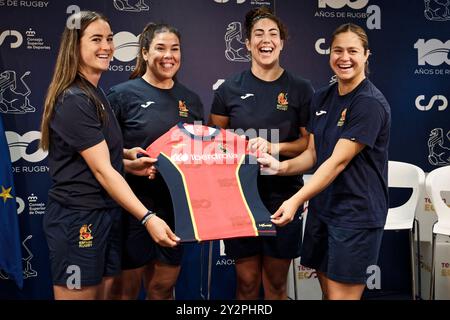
(10, 248)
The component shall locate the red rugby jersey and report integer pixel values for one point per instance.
(212, 180)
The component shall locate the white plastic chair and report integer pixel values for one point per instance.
(406, 175)
(437, 181)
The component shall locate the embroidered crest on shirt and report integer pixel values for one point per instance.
(182, 109)
(85, 236)
(282, 102)
(342, 118)
(222, 147)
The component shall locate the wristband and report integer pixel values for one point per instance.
(147, 217)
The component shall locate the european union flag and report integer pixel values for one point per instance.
(10, 248)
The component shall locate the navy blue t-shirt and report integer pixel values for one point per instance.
(358, 197)
(255, 105)
(145, 113)
(75, 127)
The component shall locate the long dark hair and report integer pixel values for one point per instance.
(145, 39)
(66, 71)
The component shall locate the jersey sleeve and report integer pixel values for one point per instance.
(219, 106)
(77, 123)
(311, 109)
(199, 114)
(305, 104)
(364, 121)
(114, 98)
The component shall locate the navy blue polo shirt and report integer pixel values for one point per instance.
(75, 127)
(358, 197)
(255, 106)
(145, 113)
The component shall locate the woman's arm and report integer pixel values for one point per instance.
(97, 158)
(218, 120)
(344, 151)
(300, 164)
(288, 149)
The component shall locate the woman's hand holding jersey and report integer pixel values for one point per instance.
(344, 151)
(261, 145)
(97, 158)
(269, 165)
(137, 162)
(286, 211)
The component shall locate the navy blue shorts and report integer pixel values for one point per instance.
(88, 241)
(139, 248)
(342, 254)
(285, 245)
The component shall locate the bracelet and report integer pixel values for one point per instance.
(147, 217)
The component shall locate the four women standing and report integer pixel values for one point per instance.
(349, 126)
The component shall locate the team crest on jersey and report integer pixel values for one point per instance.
(222, 147)
(282, 101)
(342, 118)
(85, 236)
(182, 109)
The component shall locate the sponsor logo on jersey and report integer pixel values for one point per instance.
(265, 225)
(213, 158)
(321, 112)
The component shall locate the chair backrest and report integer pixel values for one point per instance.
(404, 175)
(437, 181)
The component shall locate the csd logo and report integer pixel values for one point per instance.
(441, 101)
(318, 47)
(12, 33)
(432, 52)
(19, 146)
(338, 4)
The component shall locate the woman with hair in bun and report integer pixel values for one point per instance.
(266, 99)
